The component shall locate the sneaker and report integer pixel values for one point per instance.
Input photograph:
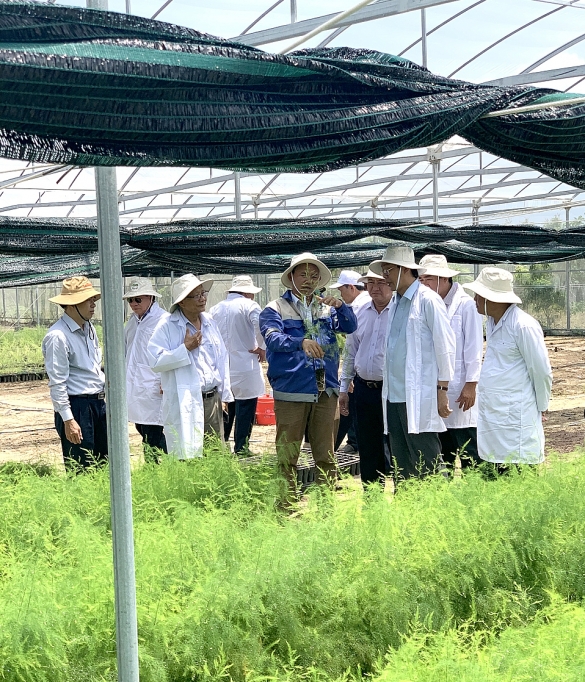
(348, 449)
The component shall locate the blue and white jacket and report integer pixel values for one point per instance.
(290, 372)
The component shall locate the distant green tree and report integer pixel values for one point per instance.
(541, 296)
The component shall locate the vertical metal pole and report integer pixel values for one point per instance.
(128, 8)
(568, 273)
(17, 310)
(423, 30)
(117, 412)
(4, 305)
(37, 305)
(435, 165)
(293, 11)
(237, 196)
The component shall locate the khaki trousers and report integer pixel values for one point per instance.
(213, 415)
(322, 421)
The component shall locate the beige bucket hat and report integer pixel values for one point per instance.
(243, 284)
(325, 275)
(496, 285)
(436, 265)
(183, 286)
(370, 274)
(75, 290)
(396, 255)
(140, 286)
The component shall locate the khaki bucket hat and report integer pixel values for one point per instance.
(494, 284)
(75, 290)
(183, 286)
(140, 286)
(370, 274)
(243, 284)
(436, 265)
(324, 274)
(396, 255)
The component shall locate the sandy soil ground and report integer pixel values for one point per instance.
(27, 432)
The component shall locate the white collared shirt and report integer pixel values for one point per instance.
(73, 361)
(365, 349)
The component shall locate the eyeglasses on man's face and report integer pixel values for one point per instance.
(388, 270)
(198, 297)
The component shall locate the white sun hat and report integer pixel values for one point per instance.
(243, 284)
(369, 275)
(140, 286)
(183, 286)
(396, 255)
(346, 277)
(436, 265)
(495, 285)
(325, 275)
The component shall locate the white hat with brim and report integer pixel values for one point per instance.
(346, 277)
(402, 256)
(243, 284)
(369, 275)
(74, 291)
(183, 286)
(140, 286)
(325, 275)
(436, 265)
(495, 285)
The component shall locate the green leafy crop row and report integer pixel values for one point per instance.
(229, 588)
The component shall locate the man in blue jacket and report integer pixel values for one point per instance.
(303, 362)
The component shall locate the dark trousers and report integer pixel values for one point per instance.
(371, 439)
(452, 442)
(243, 412)
(348, 426)
(152, 437)
(90, 414)
(413, 454)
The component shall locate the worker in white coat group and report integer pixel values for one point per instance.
(516, 378)
(420, 363)
(237, 320)
(188, 351)
(143, 389)
(461, 434)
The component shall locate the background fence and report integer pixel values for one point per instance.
(542, 288)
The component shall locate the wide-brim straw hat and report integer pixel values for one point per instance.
(184, 285)
(140, 286)
(243, 284)
(495, 285)
(436, 265)
(402, 256)
(324, 274)
(75, 290)
(370, 274)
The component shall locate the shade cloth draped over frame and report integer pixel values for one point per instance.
(37, 250)
(87, 87)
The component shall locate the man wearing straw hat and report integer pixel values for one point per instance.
(461, 434)
(237, 320)
(420, 363)
(363, 363)
(188, 351)
(303, 364)
(516, 378)
(73, 360)
(143, 389)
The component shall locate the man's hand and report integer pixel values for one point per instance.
(443, 404)
(467, 398)
(350, 387)
(193, 341)
(312, 348)
(260, 352)
(544, 416)
(344, 404)
(73, 431)
(331, 300)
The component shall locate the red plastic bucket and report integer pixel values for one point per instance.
(265, 411)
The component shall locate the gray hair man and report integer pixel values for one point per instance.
(143, 389)
(237, 320)
(461, 434)
(420, 363)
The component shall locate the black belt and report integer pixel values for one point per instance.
(93, 396)
(209, 394)
(369, 384)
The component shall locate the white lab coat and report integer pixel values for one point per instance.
(514, 389)
(467, 325)
(430, 357)
(183, 415)
(142, 384)
(237, 320)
